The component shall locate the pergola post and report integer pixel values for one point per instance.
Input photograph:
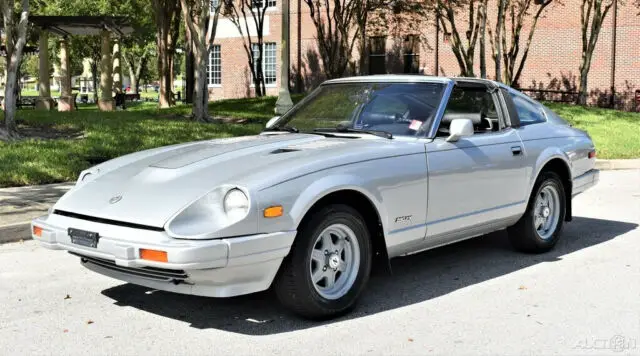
(105, 103)
(65, 103)
(44, 101)
(117, 67)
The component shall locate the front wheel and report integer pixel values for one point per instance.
(329, 264)
(539, 228)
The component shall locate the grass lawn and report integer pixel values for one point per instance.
(32, 92)
(92, 137)
(87, 137)
(149, 94)
(615, 133)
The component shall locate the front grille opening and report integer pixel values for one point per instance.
(153, 273)
(106, 221)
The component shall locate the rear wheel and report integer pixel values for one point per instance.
(329, 264)
(539, 228)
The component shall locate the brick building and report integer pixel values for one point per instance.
(553, 61)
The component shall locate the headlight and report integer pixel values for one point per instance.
(236, 204)
(224, 211)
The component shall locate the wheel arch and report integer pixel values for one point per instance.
(363, 203)
(558, 164)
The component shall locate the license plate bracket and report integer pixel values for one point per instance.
(83, 238)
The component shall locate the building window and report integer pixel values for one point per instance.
(268, 63)
(260, 3)
(377, 55)
(411, 54)
(214, 67)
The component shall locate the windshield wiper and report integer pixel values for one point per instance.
(283, 128)
(383, 134)
(295, 130)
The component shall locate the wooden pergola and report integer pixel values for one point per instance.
(110, 65)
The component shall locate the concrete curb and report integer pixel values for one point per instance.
(614, 164)
(15, 232)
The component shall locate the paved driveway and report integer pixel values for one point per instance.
(475, 297)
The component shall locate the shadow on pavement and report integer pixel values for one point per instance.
(415, 279)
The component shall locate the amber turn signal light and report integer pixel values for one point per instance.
(37, 230)
(273, 211)
(153, 255)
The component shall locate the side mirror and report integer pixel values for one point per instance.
(459, 128)
(271, 121)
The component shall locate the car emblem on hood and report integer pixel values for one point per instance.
(115, 199)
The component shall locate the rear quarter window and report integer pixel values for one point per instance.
(553, 117)
(529, 112)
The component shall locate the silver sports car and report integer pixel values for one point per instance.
(362, 170)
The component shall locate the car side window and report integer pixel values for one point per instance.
(528, 112)
(474, 103)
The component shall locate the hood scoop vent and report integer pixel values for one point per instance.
(283, 150)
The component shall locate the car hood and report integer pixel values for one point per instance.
(150, 187)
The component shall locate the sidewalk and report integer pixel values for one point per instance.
(21, 204)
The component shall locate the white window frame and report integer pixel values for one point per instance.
(275, 64)
(211, 65)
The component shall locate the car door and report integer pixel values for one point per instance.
(476, 184)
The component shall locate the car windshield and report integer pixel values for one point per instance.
(401, 109)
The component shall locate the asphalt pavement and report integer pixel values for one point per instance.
(474, 297)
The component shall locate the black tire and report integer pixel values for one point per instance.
(523, 235)
(294, 286)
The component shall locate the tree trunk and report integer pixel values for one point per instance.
(499, 27)
(164, 98)
(167, 18)
(584, 75)
(594, 13)
(10, 105)
(133, 80)
(200, 76)
(14, 56)
(259, 76)
(94, 80)
(362, 24)
(483, 28)
(172, 78)
(135, 71)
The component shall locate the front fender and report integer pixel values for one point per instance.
(298, 196)
(329, 184)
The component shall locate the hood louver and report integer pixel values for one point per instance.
(283, 150)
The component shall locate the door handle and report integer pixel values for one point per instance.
(516, 150)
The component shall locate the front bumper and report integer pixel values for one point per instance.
(215, 268)
(585, 181)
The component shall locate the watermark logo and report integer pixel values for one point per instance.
(617, 343)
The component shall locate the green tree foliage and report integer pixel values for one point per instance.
(29, 66)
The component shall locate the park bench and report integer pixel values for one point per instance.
(132, 96)
(26, 102)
